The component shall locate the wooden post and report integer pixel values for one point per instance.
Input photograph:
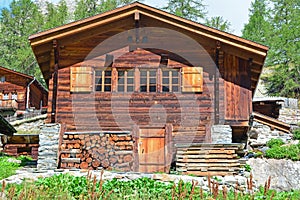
(135, 137)
(55, 81)
(168, 147)
(61, 134)
(216, 85)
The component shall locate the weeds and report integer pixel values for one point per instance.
(68, 187)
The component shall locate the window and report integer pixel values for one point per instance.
(2, 79)
(14, 96)
(126, 80)
(5, 96)
(170, 80)
(103, 80)
(148, 80)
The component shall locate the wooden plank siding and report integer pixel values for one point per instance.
(237, 83)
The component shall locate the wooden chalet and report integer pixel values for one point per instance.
(130, 84)
(20, 91)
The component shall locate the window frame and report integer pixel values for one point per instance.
(125, 78)
(103, 78)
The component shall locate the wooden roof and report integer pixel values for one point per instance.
(77, 39)
(21, 80)
(5, 127)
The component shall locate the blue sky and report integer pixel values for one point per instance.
(235, 11)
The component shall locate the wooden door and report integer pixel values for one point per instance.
(151, 150)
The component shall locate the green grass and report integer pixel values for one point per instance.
(67, 187)
(9, 168)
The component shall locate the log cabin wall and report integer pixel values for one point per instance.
(38, 96)
(190, 114)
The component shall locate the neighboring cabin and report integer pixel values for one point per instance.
(147, 81)
(20, 91)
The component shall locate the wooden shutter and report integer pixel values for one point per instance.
(81, 79)
(192, 79)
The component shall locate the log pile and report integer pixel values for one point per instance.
(208, 159)
(91, 151)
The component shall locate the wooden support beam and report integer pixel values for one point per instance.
(55, 80)
(216, 84)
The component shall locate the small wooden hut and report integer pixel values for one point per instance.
(20, 91)
(130, 84)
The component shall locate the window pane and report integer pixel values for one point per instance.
(165, 81)
(143, 88)
(152, 88)
(107, 88)
(143, 73)
(98, 88)
(166, 73)
(152, 80)
(130, 73)
(130, 81)
(120, 73)
(175, 80)
(174, 73)
(121, 80)
(143, 81)
(107, 80)
(98, 73)
(130, 88)
(165, 89)
(153, 73)
(175, 89)
(107, 73)
(121, 88)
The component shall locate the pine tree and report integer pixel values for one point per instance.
(56, 15)
(87, 8)
(284, 53)
(219, 23)
(258, 27)
(22, 19)
(190, 9)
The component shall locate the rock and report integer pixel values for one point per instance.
(285, 174)
(253, 134)
(13, 160)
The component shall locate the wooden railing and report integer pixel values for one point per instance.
(8, 103)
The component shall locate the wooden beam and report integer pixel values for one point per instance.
(273, 123)
(216, 84)
(55, 81)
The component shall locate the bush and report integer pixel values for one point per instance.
(296, 134)
(274, 142)
(284, 152)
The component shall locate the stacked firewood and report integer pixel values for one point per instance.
(91, 151)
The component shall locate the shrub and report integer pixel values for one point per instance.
(284, 152)
(274, 142)
(296, 134)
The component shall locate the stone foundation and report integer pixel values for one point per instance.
(107, 150)
(221, 134)
(49, 138)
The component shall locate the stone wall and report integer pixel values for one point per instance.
(285, 174)
(49, 138)
(221, 134)
(112, 151)
(290, 116)
(260, 134)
